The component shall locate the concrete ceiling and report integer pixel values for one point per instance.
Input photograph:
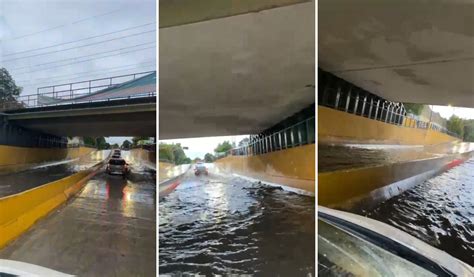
(236, 74)
(408, 50)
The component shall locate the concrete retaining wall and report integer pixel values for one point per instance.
(13, 158)
(20, 211)
(293, 167)
(337, 126)
(345, 188)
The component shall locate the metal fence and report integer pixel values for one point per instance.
(372, 107)
(298, 134)
(72, 91)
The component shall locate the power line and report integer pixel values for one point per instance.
(74, 41)
(86, 75)
(85, 45)
(85, 56)
(62, 25)
(86, 60)
(74, 74)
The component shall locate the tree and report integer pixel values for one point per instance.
(223, 147)
(173, 153)
(209, 158)
(8, 89)
(126, 144)
(101, 143)
(114, 146)
(244, 142)
(135, 140)
(414, 108)
(469, 130)
(455, 124)
(89, 141)
(166, 152)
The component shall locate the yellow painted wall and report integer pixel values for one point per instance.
(16, 158)
(294, 167)
(337, 126)
(169, 171)
(20, 211)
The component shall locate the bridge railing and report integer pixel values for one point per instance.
(59, 94)
(376, 109)
(298, 134)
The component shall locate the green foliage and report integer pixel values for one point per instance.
(173, 153)
(135, 140)
(456, 125)
(8, 89)
(223, 147)
(469, 130)
(101, 143)
(89, 141)
(209, 158)
(414, 108)
(126, 144)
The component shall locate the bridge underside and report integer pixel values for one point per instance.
(405, 51)
(136, 117)
(231, 75)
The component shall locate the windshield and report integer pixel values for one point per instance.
(341, 253)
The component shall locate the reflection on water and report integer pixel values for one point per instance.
(39, 175)
(439, 211)
(222, 225)
(336, 157)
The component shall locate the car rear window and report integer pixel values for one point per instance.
(117, 162)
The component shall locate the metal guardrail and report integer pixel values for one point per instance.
(377, 109)
(299, 134)
(71, 91)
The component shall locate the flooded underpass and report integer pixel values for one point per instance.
(221, 224)
(107, 229)
(438, 210)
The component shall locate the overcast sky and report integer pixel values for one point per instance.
(447, 112)
(26, 25)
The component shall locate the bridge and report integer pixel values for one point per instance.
(116, 106)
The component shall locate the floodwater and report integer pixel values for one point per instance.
(220, 224)
(108, 229)
(440, 211)
(339, 157)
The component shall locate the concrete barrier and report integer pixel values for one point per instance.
(293, 167)
(368, 186)
(170, 176)
(20, 211)
(13, 158)
(143, 156)
(341, 127)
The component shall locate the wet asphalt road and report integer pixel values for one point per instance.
(39, 175)
(221, 224)
(109, 229)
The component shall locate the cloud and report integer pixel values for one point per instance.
(31, 24)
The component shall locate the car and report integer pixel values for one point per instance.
(116, 156)
(200, 168)
(117, 166)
